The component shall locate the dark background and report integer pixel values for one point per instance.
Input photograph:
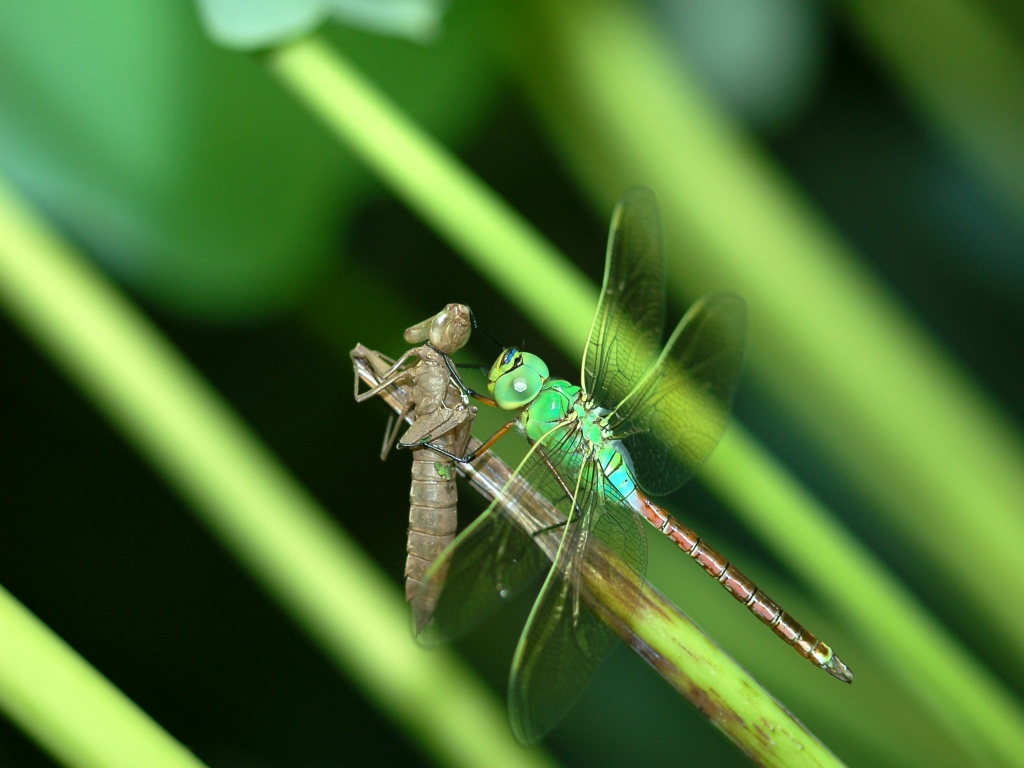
(98, 547)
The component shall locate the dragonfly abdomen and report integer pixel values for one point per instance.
(442, 418)
(433, 514)
(743, 589)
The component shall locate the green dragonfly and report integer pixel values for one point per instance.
(642, 423)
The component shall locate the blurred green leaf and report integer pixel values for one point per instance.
(846, 359)
(184, 169)
(960, 63)
(72, 710)
(246, 498)
(762, 58)
(252, 24)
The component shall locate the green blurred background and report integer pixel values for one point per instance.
(265, 252)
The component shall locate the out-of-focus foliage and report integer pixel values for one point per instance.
(762, 58)
(180, 165)
(207, 192)
(248, 24)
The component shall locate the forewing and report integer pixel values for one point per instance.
(625, 337)
(496, 556)
(565, 641)
(672, 420)
(486, 565)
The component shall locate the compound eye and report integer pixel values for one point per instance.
(517, 388)
(506, 362)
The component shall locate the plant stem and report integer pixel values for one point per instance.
(239, 490)
(69, 708)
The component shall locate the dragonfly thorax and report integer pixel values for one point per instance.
(557, 406)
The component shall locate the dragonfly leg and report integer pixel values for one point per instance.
(453, 372)
(558, 478)
(486, 446)
(483, 368)
(549, 528)
(386, 379)
(391, 431)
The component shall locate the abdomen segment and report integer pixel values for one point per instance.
(744, 590)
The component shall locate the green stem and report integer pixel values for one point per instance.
(243, 495)
(70, 709)
(846, 361)
(679, 651)
(973, 704)
(963, 69)
(834, 348)
(488, 233)
(397, 150)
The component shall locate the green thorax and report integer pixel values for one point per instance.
(520, 380)
(559, 404)
(559, 414)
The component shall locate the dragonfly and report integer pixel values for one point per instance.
(441, 416)
(643, 421)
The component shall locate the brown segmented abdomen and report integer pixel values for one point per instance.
(433, 515)
(440, 416)
(743, 589)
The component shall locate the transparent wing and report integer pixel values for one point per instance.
(514, 541)
(565, 641)
(672, 420)
(625, 337)
(501, 552)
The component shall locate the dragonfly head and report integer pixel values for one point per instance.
(515, 378)
(448, 330)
